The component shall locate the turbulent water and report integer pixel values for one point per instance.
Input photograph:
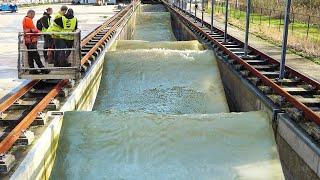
(119, 145)
(161, 113)
(154, 26)
(162, 81)
(172, 45)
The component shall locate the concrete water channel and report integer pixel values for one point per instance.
(161, 113)
(158, 104)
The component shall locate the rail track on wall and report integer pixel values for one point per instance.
(27, 107)
(297, 94)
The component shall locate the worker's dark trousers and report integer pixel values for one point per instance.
(33, 56)
(48, 44)
(59, 55)
(69, 44)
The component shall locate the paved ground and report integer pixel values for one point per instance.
(299, 63)
(88, 16)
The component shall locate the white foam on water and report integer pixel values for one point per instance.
(153, 26)
(161, 81)
(173, 45)
(188, 134)
(124, 145)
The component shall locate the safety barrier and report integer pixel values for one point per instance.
(49, 58)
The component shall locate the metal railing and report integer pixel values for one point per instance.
(47, 57)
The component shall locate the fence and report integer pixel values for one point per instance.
(301, 24)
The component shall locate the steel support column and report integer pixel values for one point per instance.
(285, 39)
(202, 12)
(226, 22)
(212, 13)
(246, 39)
(195, 10)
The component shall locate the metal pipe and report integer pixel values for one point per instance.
(246, 39)
(212, 13)
(190, 7)
(226, 22)
(285, 39)
(202, 12)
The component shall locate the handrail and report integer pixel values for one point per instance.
(14, 134)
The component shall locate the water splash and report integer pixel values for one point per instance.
(178, 85)
(173, 45)
(162, 81)
(123, 145)
(153, 26)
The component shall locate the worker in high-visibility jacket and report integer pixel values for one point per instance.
(68, 23)
(31, 41)
(48, 41)
(57, 41)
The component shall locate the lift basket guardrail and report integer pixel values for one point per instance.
(58, 63)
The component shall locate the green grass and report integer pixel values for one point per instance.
(296, 28)
(260, 24)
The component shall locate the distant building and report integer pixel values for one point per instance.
(19, 2)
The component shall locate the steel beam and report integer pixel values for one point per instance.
(17, 95)
(14, 134)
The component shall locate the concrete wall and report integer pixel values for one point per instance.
(298, 153)
(39, 160)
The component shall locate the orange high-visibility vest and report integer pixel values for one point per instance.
(28, 27)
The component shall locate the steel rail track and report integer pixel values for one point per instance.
(297, 94)
(91, 47)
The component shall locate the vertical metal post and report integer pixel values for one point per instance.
(292, 23)
(260, 15)
(308, 27)
(226, 22)
(202, 12)
(182, 5)
(285, 40)
(212, 13)
(280, 21)
(190, 6)
(270, 18)
(246, 39)
(195, 10)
